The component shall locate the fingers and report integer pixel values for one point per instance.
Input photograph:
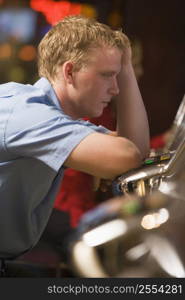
(105, 184)
(96, 183)
(102, 184)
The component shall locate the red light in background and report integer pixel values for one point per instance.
(55, 11)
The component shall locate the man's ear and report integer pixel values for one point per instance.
(68, 68)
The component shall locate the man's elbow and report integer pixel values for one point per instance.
(145, 150)
(131, 161)
(135, 158)
(124, 161)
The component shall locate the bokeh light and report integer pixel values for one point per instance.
(55, 11)
(27, 53)
(5, 51)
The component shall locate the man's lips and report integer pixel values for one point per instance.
(106, 102)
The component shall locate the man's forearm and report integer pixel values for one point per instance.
(132, 121)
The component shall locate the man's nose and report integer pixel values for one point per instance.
(114, 89)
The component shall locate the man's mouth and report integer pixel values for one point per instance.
(106, 102)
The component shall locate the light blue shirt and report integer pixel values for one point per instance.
(36, 137)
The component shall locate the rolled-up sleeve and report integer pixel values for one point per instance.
(50, 138)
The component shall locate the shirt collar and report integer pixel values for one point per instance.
(46, 86)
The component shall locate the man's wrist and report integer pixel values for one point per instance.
(127, 71)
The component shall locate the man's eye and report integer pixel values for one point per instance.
(107, 74)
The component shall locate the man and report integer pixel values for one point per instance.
(83, 64)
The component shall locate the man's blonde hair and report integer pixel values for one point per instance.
(71, 39)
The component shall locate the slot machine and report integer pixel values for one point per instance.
(147, 178)
(130, 236)
(140, 232)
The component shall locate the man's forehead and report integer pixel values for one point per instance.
(101, 54)
(105, 50)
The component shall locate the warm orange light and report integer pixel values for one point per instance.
(5, 51)
(55, 11)
(27, 53)
(115, 19)
(89, 11)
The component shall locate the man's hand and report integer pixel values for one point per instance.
(127, 55)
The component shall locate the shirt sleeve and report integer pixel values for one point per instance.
(51, 140)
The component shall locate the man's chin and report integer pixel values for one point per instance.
(94, 114)
(97, 114)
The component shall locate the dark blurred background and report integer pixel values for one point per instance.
(156, 29)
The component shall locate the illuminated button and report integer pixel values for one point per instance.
(165, 156)
(149, 161)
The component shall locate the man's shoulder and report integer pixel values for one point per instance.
(25, 106)
(12, 88)
(23, 96)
